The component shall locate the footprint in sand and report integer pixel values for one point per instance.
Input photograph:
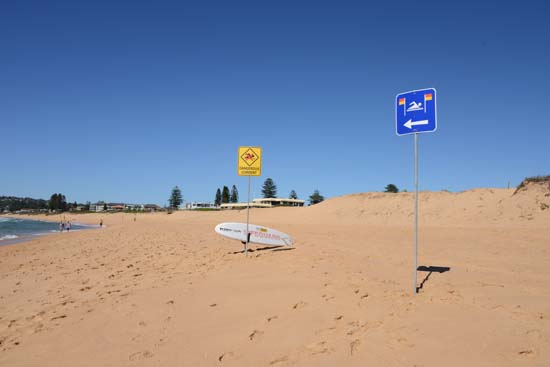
(354, 346)
(405, 342)
(38, 328)
(318, 348)
(279, 361)
(138, 338)
(526, 352)
(225, 356)
(299, 305)
(58, 317)
(255, 334)
(140, 355)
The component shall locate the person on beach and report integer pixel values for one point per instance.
(68, 226)
(61, 225)
(100, 223)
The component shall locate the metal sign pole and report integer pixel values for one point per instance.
(415, 211)
(247, 218)
(419, 116)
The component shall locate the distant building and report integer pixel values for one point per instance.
(97, 207)
(151, 207)
(243, 205)
(200, 205)
(265, 203)
(101, 206)
(115, 207)
(134, 207)
(280, 202)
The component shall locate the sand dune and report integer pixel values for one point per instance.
(165, 290)
(473, 207)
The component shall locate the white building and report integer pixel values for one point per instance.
(265, 203)
(200, 205)
(97, 207)
(280, 202)
(134, 207)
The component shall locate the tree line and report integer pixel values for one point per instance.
(13, 203)
(57, 202)
(225, 196)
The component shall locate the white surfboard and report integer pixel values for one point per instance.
(258, 234)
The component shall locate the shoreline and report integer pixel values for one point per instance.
(44, 217)
(18, 238)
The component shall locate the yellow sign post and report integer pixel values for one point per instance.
(249, 163)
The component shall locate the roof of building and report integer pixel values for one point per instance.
(279, 200)
(244, 205)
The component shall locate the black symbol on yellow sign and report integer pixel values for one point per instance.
(249, 157)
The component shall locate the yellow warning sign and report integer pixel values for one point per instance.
(249, 162)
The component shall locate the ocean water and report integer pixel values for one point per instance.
(14, 230)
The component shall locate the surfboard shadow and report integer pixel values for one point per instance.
(273, 248)
(430, 269)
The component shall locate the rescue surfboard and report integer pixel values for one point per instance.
(258, 234)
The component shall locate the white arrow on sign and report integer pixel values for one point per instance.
(409, 124)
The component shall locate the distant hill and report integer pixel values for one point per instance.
(13, 203)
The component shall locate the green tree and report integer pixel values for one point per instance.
(315, 198)
(391, 188)
(218, 199)
(62, 202)
(53, 203)
(57, 202)
(269, 189)
(293, 195)
(234, 195)
(175, 199)
(225, 195)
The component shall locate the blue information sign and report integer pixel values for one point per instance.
(415, 112)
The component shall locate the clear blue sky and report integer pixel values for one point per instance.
(120, 101)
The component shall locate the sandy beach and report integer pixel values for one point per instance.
(165, 290)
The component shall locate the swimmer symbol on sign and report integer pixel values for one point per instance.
(249, 157)
(413, 106)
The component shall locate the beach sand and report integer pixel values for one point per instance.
(165, 290)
